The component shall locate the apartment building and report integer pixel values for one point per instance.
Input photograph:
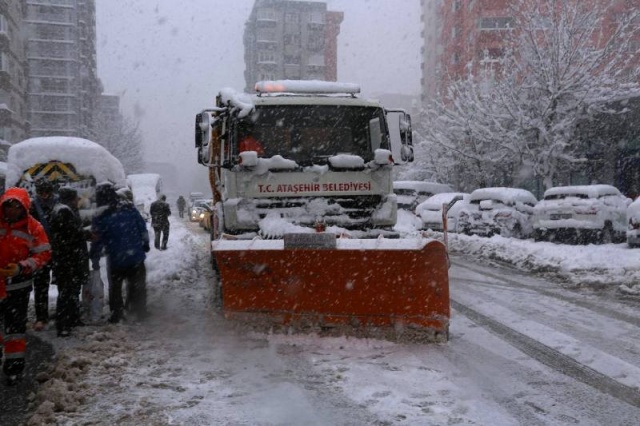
(63, 85)
(294, 40)
(13, 79)
(460, 34)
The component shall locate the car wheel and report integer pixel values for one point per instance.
(606, 236)
(516, 232)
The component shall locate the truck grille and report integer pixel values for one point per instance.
(348, 212)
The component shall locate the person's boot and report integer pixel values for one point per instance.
(12, 379)
(116, 317)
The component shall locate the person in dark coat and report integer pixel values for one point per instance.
(182, 204)
(160, 212)
(41, 208)
(70, 261)
(121, 231)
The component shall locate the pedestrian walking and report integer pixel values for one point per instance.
(71, 259)
(24, 249)
(160, 212)
(41, 208)
(121, 231)
(182, 204)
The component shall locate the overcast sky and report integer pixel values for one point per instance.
(168, 58)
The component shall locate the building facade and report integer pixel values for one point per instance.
(63, 86)
(295, 40)
(459, 35)
(14, 125)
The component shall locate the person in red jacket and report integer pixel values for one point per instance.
(24, 249)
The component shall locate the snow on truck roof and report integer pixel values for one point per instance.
(591, 191)
(312, 92)
(505, 195)
(88, 158)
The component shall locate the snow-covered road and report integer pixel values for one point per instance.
(522, 351)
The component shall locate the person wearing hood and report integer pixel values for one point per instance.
(70, 261)
(24, 250)
(121, 231)
(41, 209)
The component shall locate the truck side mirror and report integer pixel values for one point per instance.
(406, 137)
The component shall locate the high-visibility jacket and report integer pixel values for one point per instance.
(24, 242)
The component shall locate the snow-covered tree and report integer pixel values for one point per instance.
(122, 138)
(565, 61)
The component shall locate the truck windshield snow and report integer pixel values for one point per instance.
(311, 133)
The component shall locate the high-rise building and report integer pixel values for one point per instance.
(14, 126)
(459, 34)
(63, 85)
(295, 40)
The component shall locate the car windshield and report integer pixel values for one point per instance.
(564, 196)
(306, 133)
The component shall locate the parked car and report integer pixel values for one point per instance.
(430, 211)
(196, 210)
(633, 219)
(583, 213)
(410, 193)
(498, 210)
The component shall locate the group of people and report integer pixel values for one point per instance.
(43, 241)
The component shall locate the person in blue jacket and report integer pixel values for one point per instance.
(121, 232)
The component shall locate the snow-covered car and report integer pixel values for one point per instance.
(410, 193)
(430, 211)
(197, 209)
(498, 211)
(633, 218)
(582, 213)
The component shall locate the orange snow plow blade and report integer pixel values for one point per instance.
(392, 289)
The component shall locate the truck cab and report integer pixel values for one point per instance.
(298, 154)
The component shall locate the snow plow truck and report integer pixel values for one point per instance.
(302, 232)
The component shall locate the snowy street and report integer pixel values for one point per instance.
(522, 350)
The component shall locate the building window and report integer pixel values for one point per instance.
(4, 62)
(292, 39)
(491, 55)
(265, 57)
(456, 5)
(316, 61)
(316, 17)
(492, 24)
(266, 76)
(291, 17)
(292, 60)
(4, 26)
(267, 15)
(266, 36)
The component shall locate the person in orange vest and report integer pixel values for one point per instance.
(24, 250)
(249, 143)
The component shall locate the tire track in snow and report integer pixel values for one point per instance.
(611, 313)
(552, 358)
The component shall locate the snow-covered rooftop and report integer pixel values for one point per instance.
(88, 158)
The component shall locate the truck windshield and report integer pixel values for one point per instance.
(311, 133)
